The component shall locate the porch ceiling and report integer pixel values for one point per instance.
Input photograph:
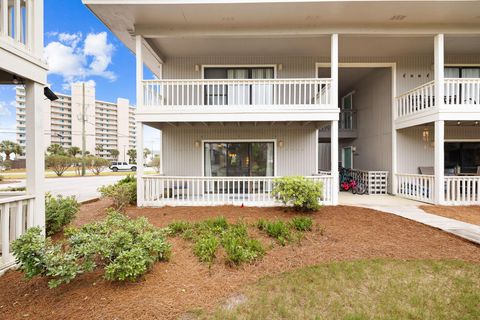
(312, 124)
(243, 27)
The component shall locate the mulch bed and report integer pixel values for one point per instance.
(470, 214)
(183, 284)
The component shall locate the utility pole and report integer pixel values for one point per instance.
(84, 139)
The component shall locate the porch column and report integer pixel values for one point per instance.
(35, 157)
(439, 70)
(139, 124)
(334, 125)
(439, 162)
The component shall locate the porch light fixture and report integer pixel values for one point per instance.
(459, 123)
(426, 136)
(197, 144)
(476, 123)
(197, 67)
(280, 67)
(280, 143)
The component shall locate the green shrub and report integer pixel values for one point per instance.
(58, 163)
(59, 211)
(126, 248)
(276, 229)
(299, 192)
(214, 225)
(178, 227)
(206, 247)
(239, 247)
(96, 164)
(302, 223)
(122, 193)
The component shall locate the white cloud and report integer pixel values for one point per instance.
(68, 57)
(4, 109)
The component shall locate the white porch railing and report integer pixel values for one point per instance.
(462, 190)
(237, 92)
(16, 215)
(458, 92)
(16, 22)
(416, 187)
(462, 92)
(416, 100)
(375, 182)
(212, 191)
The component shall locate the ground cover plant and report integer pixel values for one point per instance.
(299, 192)
(122, 193)
(59, 211)
(125, 248)
(363, 289)
(211, 234)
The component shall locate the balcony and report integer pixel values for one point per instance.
(16, 23)
(243, 99)
(461, 96)
(347, 126)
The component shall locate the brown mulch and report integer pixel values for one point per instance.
(470, 214)
(171, 289)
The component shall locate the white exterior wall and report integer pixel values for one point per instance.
(182, 158)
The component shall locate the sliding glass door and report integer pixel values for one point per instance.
(240, 93)
(239, 159)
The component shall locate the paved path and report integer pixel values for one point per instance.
(409, 209)
(83, 188)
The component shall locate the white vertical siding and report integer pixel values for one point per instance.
(296, 157)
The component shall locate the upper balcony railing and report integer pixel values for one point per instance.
(461, 92)
(313, 93)
(16, 22)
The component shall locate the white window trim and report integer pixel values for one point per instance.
(240, 140)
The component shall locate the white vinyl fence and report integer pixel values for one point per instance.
(416, 187)
(375, 182)
(16, 215)
(211, 191)
(462, 190)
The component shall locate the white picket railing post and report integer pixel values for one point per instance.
(416, 187)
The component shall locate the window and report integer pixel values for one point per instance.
(236, 94)
(239, 159)
(462, 72)
(462, 155)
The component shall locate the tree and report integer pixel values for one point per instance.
(56, 149)
(146, 152)
(114, 153)
(155, 163)
(58, 163)
(132, 155)
(8, 147)
(99, 149)
(73, 151)
(97, 164)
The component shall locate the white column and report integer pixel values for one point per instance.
(161, 151)
(439, 162)
(37, 25)
(393, 178)
(139, 124)
(439, 70)
(35, 158)
(334, 126)
(316, 152)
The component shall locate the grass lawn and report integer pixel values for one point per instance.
(366, 289)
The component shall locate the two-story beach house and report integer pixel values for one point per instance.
(245, 91)
(21, 51)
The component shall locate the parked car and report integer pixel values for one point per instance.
(116, 166)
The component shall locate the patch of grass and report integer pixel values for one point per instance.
(276, 229)
(302, 223)
(178, 227)
(372, 289)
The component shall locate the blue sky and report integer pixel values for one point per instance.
(78, 47)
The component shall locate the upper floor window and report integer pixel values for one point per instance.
(462, 72)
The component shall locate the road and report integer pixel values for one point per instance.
(83, 188)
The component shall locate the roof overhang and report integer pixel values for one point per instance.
(186, 27)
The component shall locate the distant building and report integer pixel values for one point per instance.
(108, 125)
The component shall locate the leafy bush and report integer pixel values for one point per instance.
(97, 164)
(301, 193)
(239, 247)
(302, 223)
(178, 227)
(58, 163)
(126, 248)
(123, 193)
(59, 211)
(276, 229)
(206, 248)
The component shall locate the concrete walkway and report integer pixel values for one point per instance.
(410, 209)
